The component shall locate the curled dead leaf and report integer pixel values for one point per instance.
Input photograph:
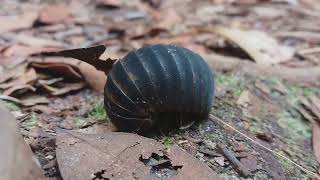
(262, 48)
(22, 82)
(16, 22)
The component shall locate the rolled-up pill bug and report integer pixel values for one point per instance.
(158, 86)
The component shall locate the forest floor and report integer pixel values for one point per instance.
(265, 53)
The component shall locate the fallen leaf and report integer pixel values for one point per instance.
(55, 14)
(73, 69)
(58, 67)
(22, 50)
(17, 87)
(26, 78)
(37, 41)
(250, 162)
(262, 48)
(17, 161)
(265, 136)
(136, 157)
(315, 140)
(244, 99)
(68, 88)
(16, 22)
(9, 98)
(11, 62)
(12, 72)
(90, 55)
(95, 79)
(50, 81)
(169, 19)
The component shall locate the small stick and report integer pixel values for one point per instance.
(242, 170)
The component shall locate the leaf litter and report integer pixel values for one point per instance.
(273, 39)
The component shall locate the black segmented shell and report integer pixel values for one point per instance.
(162, 86)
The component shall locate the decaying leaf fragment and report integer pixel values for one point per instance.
(90, 55)
(94, 156)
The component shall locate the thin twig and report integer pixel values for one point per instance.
(244, 171)
(308, 172)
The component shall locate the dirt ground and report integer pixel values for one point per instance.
(271, 94)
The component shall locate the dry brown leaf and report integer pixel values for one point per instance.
(169, 19)
(28, 77)
(55, 14)
(17, 87)
(262, 48)
(90, 55)
(58, 66)
(68, 88)
(73, 69)
(50, 81)
(96, 79)
(22, 50)
(17, 161)
(133, 158)
(315, 140)
(12, 69)
(92, 60)
(16, 22)
(9, 98)
(37, 41)
(251, 163)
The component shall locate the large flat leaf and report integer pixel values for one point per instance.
(119, 155)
